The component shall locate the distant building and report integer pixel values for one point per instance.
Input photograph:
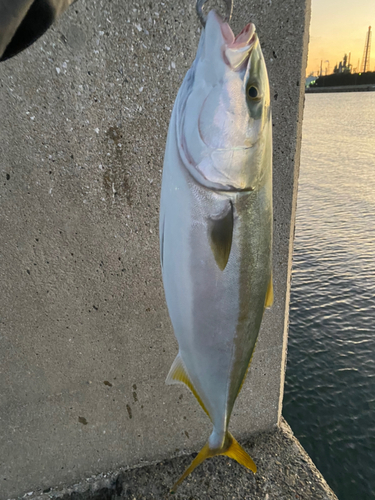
(344, 66)
(345, 79)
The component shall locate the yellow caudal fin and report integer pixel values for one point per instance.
(231, 448)
(236, 452)
(202, 455)
(269, 294)
(178, 375)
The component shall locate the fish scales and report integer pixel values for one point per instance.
(216, 223)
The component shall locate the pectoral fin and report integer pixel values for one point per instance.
(178, 375)
(221, 234)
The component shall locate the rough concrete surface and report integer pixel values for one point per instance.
(86, 341)
(285, 472)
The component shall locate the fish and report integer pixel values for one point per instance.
(216, 224)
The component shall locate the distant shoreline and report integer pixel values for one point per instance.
(341, 88)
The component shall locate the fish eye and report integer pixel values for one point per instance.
(253, 92)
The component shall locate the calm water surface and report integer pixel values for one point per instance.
(330, 381)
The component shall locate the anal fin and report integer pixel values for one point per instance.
(178, 375)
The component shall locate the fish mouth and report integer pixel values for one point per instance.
(244, 39)
(236, 49)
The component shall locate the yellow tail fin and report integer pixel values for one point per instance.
(231, 449)
(202, 455)
(236, 452)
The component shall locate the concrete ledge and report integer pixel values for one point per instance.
(285, 472)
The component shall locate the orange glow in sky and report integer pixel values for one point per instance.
(339, 27)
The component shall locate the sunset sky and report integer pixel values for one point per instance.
(339, 27)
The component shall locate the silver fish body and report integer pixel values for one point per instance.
(216, 222)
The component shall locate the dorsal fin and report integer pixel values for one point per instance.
(221, 234)
(269, 294)
(178, 375)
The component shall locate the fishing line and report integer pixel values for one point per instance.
(202, 17)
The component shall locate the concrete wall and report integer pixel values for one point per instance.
(86, 341)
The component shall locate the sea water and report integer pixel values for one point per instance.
(330, 380)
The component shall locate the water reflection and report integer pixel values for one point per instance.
(330, 381)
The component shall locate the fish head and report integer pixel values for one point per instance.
(226, 125)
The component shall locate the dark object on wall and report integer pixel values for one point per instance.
(24, 21)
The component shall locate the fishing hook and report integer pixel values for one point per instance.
(202, 17)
